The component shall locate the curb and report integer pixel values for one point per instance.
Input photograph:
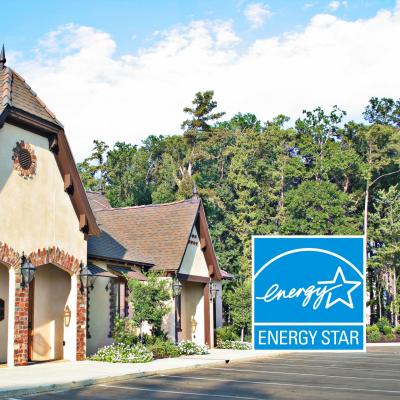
(95, 381)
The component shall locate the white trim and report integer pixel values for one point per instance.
(11, 317)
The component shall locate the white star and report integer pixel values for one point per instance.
(354, 284)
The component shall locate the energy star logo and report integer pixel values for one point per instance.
(309, 293)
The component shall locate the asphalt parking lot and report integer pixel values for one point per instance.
(374, 375)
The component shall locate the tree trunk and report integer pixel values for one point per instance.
(395, 306)
(242, 334)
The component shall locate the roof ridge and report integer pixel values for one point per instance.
(6, 87)
(150, 205)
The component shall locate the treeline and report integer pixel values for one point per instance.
(317, 175)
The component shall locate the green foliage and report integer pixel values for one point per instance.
(239, 303)
(189, 348)
(121, 353)
(374, 336)
(148, 300)
(234, 345)
(382, 323)
(124, 331)
(372, 328)
(164, 349)
(391, 337)
(314, 176)
(387, 330)
(397, 330)
(226, 333)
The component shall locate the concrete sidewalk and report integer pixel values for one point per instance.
(59, 375)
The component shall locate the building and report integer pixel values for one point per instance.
(170, 238)
(46, 219)
(54, 298)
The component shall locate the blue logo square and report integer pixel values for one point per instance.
(309, 292)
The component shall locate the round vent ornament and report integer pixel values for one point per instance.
(24, 159)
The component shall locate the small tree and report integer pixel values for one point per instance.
(239, 302)
(148, 300)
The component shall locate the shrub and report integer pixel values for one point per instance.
(372, 328)
(387, 330)
(391, 337)
(226, 333)
(235, 345)
(382, 322)
(164, 349)
(397, 329)
(189, 348)
(121, 353)
(374, 336)
(124, 332)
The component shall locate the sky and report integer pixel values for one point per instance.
(120, 70)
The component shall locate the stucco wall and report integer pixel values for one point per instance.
(4, 323)
(36, 213)
(192, 306)
(194, 262)
(52, 290)
(99, 313)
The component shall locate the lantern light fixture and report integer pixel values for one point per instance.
(27, 271)
(176, 287)
(213, 290)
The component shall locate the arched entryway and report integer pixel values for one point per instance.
(4, 312)
(52, 316)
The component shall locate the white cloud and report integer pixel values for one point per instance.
(257, 14)
(335, 5)
(98, 95)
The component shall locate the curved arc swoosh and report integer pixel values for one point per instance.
(304, 250)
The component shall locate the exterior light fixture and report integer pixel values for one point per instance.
(176, 293)
(176, 287)
(27, 271)
(67, 316)
(194, 325)
(213, 291)
(86, 277)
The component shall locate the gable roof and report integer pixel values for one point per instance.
(16, 93)
(155, 234)
(20, 106)
(97, 201)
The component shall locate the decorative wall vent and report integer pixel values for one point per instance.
(24, 159)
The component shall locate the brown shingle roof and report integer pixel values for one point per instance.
(98, 201)
(152, 234)
(16, 93)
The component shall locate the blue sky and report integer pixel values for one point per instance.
(143, 60)
(132, 23)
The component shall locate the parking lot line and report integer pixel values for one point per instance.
(328, 366)
(284, 384)
(178, 392)
(303, 374)
(342, 361)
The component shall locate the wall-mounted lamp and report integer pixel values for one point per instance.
(194, 325)
(27, 271)
(213, 291)
(67, 316)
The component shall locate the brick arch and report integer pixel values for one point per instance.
(53, 255)
(9, 256)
